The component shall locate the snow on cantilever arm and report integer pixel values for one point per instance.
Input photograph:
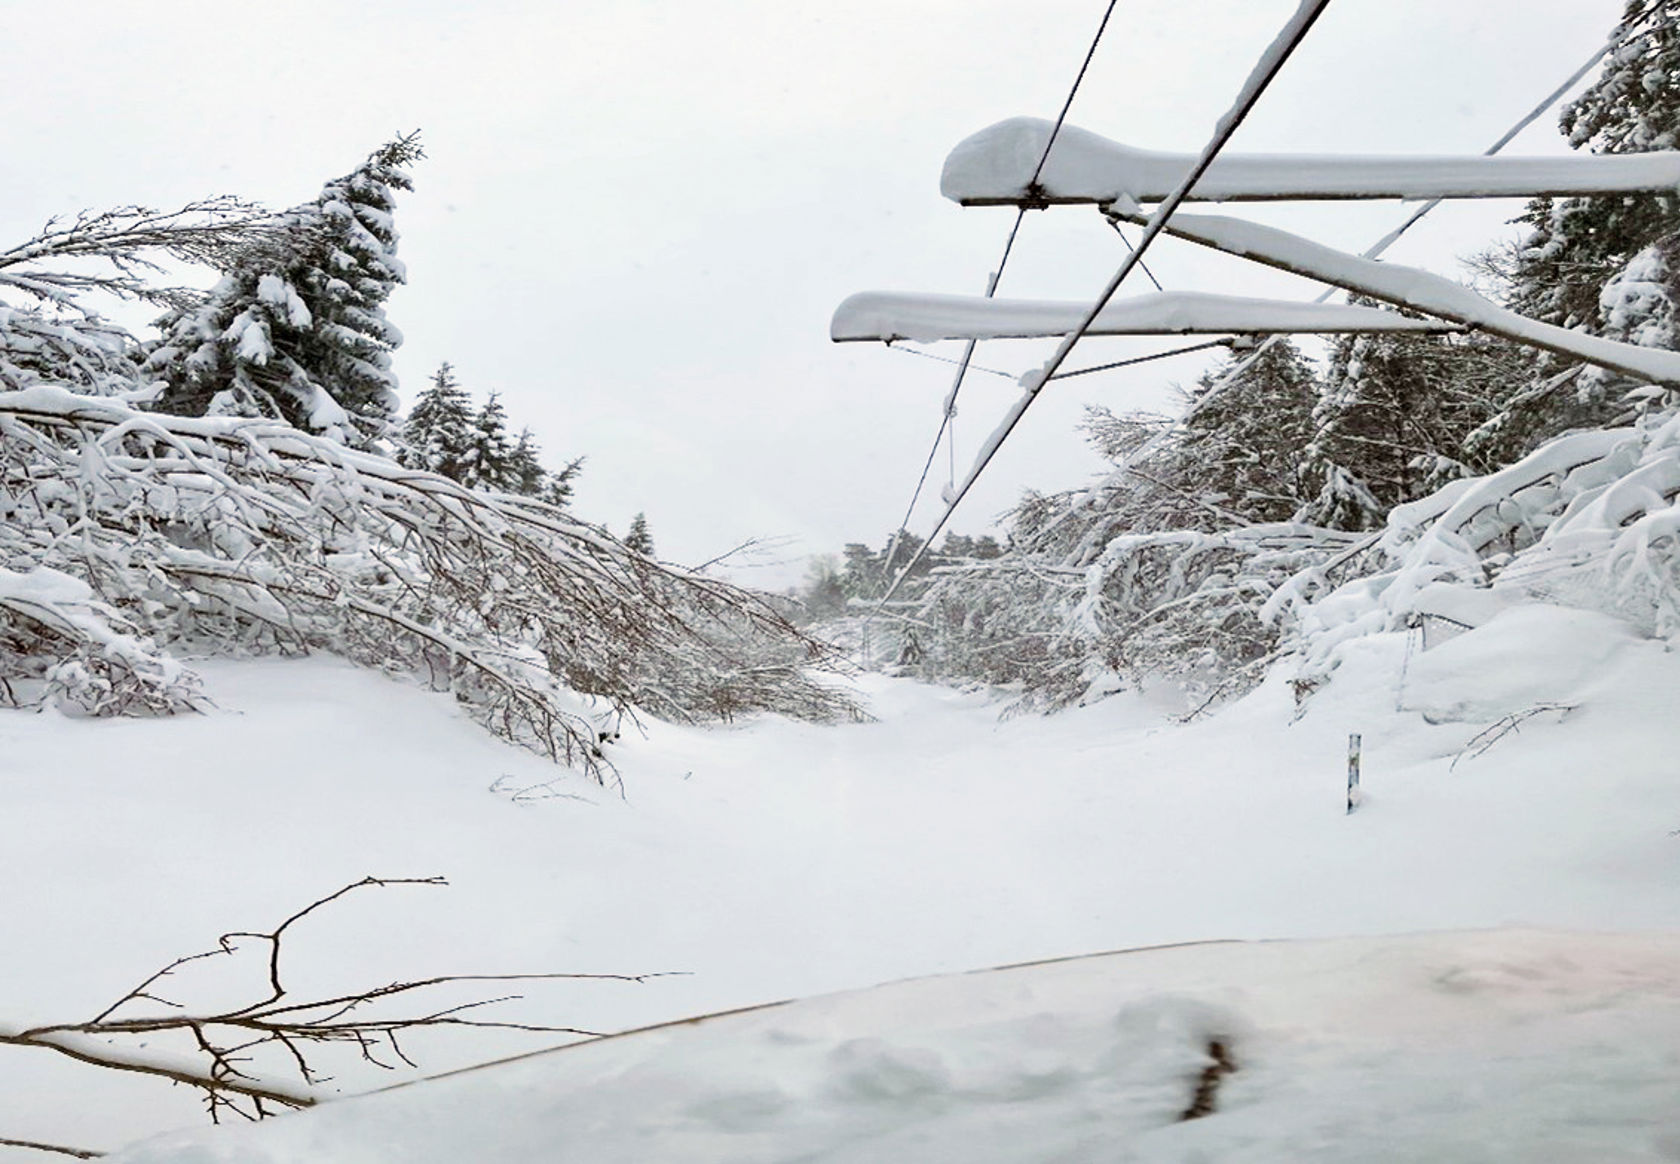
(887, 315)
(1410, 287)
(993, 167)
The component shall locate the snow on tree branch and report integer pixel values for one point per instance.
(122, 526)
(1590, 519)
(212, 232)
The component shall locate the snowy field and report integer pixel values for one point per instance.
(780, 860)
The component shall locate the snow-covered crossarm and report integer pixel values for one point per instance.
(1416, 289)
(995, 166)
(888, 316)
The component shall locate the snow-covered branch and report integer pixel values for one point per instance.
(126, 528)
(122, 242)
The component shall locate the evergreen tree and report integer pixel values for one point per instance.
(1577, 245)
(898, 553)
(1398, 417)
(488, 463)
(639, 539)
(525, 471)
(444, 435)
(297, 329)
(861, 574)
(824, 595)
(1248, 444)
(557, 487)
(435, 437)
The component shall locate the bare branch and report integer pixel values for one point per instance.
(36, 1145)
(222, 1064)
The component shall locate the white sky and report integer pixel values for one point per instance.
(637, 216)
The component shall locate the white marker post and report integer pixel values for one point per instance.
(1353, 772)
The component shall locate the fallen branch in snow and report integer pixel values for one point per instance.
(59, 1149)
(1206, 1100)
(1507, 725)
(219, 1047)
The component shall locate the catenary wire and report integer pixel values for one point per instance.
(1202, 347)
(948, 414)
(949, 360)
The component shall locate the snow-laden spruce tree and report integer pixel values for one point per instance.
(526, 476)
(1247, 442)
(1396, 417)
(487, 461)
(639, 539)
(435, 435)
(128, 536)
(1577, 244)
(442, 434)
(1609, 265)
(296, 329)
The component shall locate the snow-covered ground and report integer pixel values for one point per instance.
(1513, 1046)
(780, 860)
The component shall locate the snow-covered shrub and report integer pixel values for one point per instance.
(250, 533)
(1185, 606)
(1589, 520)
(1157, 572)
(60, 645)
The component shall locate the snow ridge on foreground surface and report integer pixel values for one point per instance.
(1455, 1047)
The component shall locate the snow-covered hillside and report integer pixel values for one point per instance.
(782, 860)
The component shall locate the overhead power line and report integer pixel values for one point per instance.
(1201, 347)
(949, 360)
(949, 411)
(1265, 71)
(1073, 91)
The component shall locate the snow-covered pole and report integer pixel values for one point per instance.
(1353, 772)
(1265, 71)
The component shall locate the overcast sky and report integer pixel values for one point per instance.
(637, 217)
